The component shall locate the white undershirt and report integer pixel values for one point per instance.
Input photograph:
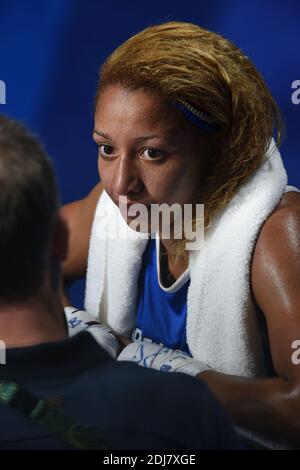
(179, 282)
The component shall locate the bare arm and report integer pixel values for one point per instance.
(271, 407)
(79, 216)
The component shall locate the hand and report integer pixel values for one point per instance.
(156, 356)
(80, 320)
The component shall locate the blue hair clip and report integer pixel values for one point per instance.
(198, 118)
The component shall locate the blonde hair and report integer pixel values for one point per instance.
(184, 61)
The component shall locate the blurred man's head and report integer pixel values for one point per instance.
(31, 242)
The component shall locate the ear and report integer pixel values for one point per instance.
(60, 239)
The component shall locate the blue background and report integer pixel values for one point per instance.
(50, 52)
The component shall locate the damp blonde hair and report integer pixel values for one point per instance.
(184, 61)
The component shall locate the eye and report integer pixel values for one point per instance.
(105, 150)
(154, 154)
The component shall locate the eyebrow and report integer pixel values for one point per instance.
(137, 139)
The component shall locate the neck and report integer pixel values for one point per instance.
(170, 246)
(37, 320)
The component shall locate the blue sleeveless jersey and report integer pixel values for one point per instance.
(161, 314)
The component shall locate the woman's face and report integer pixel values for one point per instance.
(145, 151)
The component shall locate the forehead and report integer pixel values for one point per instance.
(140, 109)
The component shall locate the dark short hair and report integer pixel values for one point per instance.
(28, 205)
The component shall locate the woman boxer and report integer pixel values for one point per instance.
(183, 117)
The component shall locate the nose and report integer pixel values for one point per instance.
(126, 178)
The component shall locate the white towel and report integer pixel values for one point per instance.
(113, 268)
(222, 329)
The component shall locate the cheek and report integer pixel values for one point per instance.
(99, 166)
(104, 174)
(183, 183)
(104, 169)
(193, 175)
(167, 184)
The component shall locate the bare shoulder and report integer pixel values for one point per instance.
(275, 281)
(275, 268)
(83, 209)
(290, 199)
(282, 220)
(92, 198)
